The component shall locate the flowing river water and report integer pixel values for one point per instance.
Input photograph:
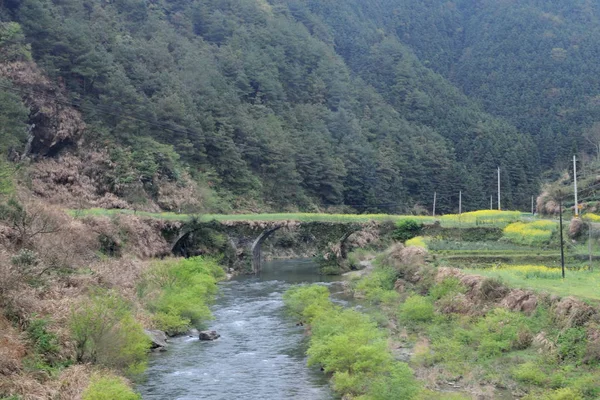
(260, 354)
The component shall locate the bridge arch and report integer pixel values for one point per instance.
(256, 248)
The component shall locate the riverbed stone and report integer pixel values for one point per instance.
(208, 335)
(158, 339)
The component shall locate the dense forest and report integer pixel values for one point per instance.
(312, 104)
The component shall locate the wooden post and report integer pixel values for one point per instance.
(434, 200)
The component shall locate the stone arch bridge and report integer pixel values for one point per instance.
(242, 241)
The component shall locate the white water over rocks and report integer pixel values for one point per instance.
(260, 354)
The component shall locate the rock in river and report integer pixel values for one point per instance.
(208, 335)
(158, 339)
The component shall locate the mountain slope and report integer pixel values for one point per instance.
(532, 62)
(279, 103)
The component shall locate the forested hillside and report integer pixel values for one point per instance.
(531, 62)
(293, 104)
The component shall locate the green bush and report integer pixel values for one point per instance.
(498, 332)
(178, 292)
(349, 341)
(398, 383)
(572, 344)
(106, 333)
(416, 309)
(558, 394)
(407, 229)
(349, 345)
(109, 388)
(449, 287)
(378, 286)
(46, 348)
(530, 373)
(307, 302)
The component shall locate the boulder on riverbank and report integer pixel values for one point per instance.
(158, 339)
(208, 335)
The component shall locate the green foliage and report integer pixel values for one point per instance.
(307, 302)
(398, 383)
(349, 345)
(178, 292)
(7, 184)
(530, 373)
(337, 113)
(572, 344)
(416, 309)
(13, 121)
(109, 388)
(44, 342)
(106, 333)
(13, 46)
(447, 288)
(407, 229)
(46, 348)
(498, 332)
(558, 394)
(378, 286)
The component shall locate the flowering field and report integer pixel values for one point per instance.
(418, 241)
(530, 233)
(489, 218)
(591, 217)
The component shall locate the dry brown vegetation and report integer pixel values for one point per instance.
(82, 180)
(47, 266)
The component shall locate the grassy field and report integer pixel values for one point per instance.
(580, 283)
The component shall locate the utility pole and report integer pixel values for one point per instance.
(491, 202)
(532, 209)
(575, 185)
(459, 215)
(562, 251)
(590, 244)
(434, 199)
(499, 189)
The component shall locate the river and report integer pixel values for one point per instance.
(260, 354)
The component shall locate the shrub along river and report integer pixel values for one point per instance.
(260, 354)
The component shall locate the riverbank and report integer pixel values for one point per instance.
(76, 293)
(473, 334)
